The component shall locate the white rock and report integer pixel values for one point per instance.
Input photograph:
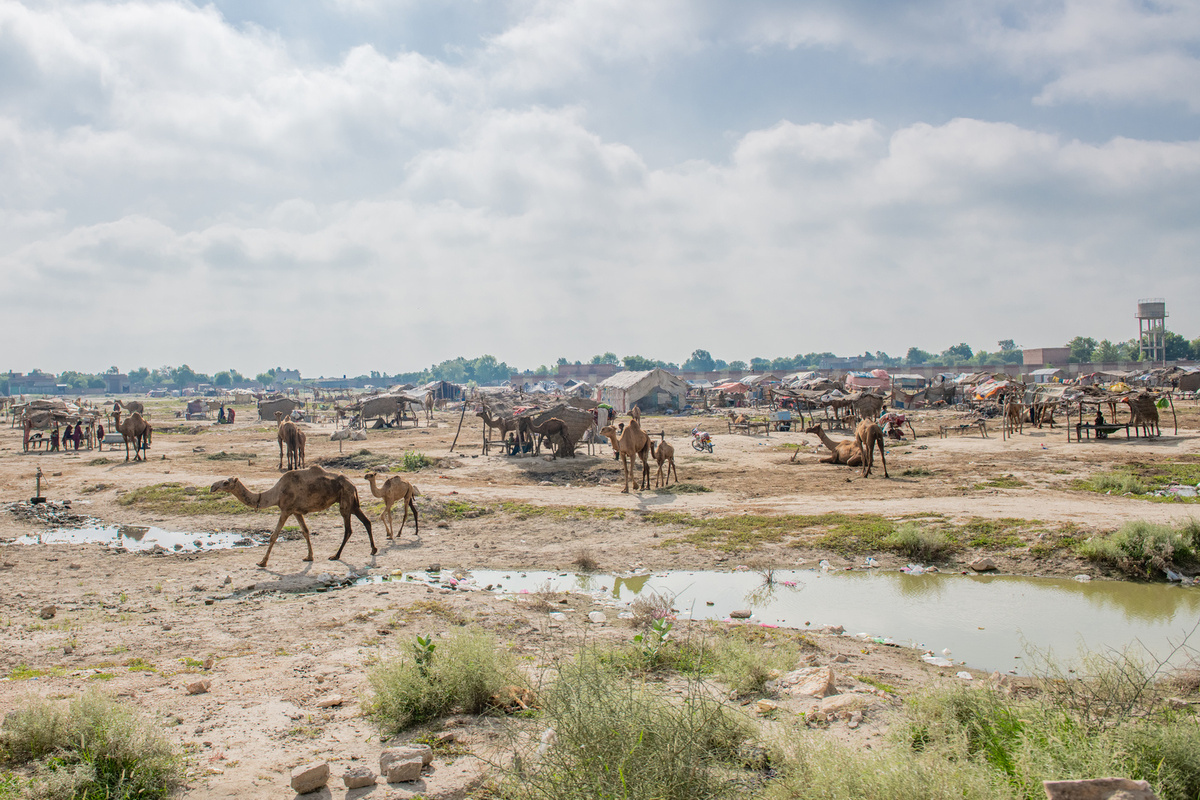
(358, 777)
(198, 687)
(310, 777)
(597, 617)
(982, 564)
(403, 771)
(330, 701)
(819, 685)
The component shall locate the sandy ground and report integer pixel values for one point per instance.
(142, 625)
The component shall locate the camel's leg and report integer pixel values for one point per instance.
(281, 453)
(831, 460)
(626, 469)
(883, 458)
(307, 536)
(671, 468)
(356, 511)
(386, 518)
(275, 535)
(410, 503)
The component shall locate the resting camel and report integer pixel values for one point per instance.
(867, 435)
(300, 492)
(395, 489)
(664, 453)
(631, 444)
(137, 431)
(289, 434)
(846, 451)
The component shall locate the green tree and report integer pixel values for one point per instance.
(265, 378)
(1177, 347)
(960, 353)
(562, 362)
(1107, 352)
(983, 357)
(1007, 345)
(738, 365)
(701, 361)
(917, 356)
(223, 379)
(639, 363)
(1082, 348)
(608, 358)
(183, 375)
(139, 375)
(760, 364)
(96, 382)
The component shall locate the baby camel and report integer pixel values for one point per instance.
(664, 453)
(300, 492)
(395, 489)
(867, 435)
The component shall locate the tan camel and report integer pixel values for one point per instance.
(395, 489)
(503, 424)
(846, 451)
(631, 444)
(137, 432)
(301, 492)
(428, 406)
(867, 436)
(547, 431)
(131, 406)
(1014, 418)
(289, 434)
(664, 453)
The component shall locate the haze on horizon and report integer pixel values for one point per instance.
(354, 185)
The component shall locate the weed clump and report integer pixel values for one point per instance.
(919, 543)
(459, 674)
(1144, 549)
(94, 748)
(414, 461)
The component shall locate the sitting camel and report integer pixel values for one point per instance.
(395, 489)
(289, 434)
(664, 453)
(867, 436)
(136, 431)
(846, 451)
(631, 444)
(300, 492)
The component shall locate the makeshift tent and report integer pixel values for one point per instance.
(648, 390)
(875, 379)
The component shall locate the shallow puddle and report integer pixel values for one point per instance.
(985, 621)
(138, 538)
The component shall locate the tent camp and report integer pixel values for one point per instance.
(652, 389)
(875, 379)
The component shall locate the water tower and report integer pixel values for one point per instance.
(1152, 328)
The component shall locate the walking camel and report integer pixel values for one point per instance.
(867, 436)
(300, 492)
(136, 431)
(395, 489)
(289, 434)
(631, 444)
(846, 451)
(428, 406)
(664, 453)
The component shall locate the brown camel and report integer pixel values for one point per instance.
(1014, 418)
(136, 431)
(547, 431)
(132, 406)
(867, 436)
(428, 407)
(289, 434)
(503, 424)
(664, 453)
(300, 492)
(395, 489)
(631, 444)
(846, 451)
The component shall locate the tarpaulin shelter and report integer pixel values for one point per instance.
(655, 388)
(875, 379)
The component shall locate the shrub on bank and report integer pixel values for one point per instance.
(919, 543)
(1145, 549)
(94, 748)
(457, 674)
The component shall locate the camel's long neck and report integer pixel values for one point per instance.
(374, 489)
(256, 499)
(825, 440)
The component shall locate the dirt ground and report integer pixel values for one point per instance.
(143, 626)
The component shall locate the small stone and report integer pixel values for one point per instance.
(68, 650)
(199, 687)
(434, 568)
(310, 777)
(167, 626)
(597, 617)
(208, 601)
(983, 564)
(358, 777)
(820, 684)
(331, 701)
(228, 580)
(743, 613)
(393, 755)
(856, 719)
(766, 706)
(403, 771)
(840, 659)
(48, 612)
(208, 662)
(843, 705)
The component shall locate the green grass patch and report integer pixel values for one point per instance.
(413, 461)
(223, 456)
(683, 488)
(177, 498)
(24, 672)
(877, 684)
(460, 674)
(362, 460)
(94, 748)
(920, 543)
(100, 462)
(529, 511)
(916, 472)
(140, 665)
(1140, 478)
(1004, 482)
(995, 534)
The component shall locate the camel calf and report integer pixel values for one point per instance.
(664, 453)
(395, 489)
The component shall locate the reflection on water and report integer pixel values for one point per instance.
(985, 621)
(139, 537)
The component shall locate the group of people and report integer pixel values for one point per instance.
(60, 439)
(223, 418)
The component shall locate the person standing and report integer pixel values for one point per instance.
(54, 441)
(99, 435)
(78, 433)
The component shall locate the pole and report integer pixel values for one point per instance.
(460, 423)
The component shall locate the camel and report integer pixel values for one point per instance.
(664, 453)
(131, 406)
(503, 424)
(395, 489)
(1014, 418)
(846, 451)
(301, 492)
(137, 431)
(289, 433)
(547, 430)
(631, 444)
(428, 407)
(867, 436)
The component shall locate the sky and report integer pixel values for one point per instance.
(339, 186)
